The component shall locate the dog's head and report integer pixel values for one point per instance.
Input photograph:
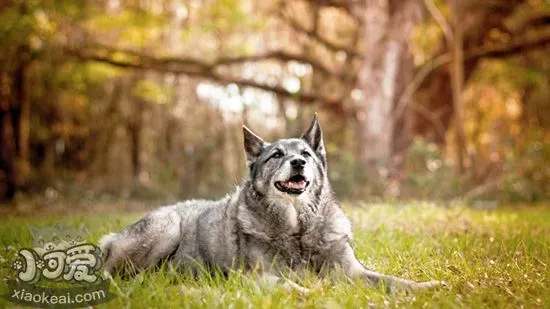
(288, 168)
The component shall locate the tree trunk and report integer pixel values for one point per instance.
(14, 122)
(134, 128)
(21, 125)
(7, 146)
(387, 26)
(457, 78)
(432, 118)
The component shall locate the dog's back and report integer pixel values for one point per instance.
(184, 230)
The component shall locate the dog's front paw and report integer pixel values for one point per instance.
(290, 286)
(433, 284)
(411, 286)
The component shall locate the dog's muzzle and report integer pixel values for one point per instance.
(296, 184)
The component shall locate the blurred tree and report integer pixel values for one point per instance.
(487, 34)
(385, 72)
(125, 93)
(15, 65)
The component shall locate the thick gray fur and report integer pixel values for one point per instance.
(257, 226)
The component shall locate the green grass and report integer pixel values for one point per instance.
(490, 259)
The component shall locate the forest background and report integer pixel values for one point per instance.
(109, 100)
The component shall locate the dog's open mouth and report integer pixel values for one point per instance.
(295, 185)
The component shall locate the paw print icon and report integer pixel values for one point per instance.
(40, 264)
(17, 265)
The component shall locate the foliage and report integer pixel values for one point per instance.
(429, 175)
(126, 93)
(527, 175)
(152, 92)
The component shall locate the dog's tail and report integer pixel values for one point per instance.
(106, 243)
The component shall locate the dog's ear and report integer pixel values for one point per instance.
(314, 137)
(35, 232)
(253, 145)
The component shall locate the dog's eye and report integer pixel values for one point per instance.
(277, 155)
(306, 154)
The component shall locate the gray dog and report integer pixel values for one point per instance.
(283, 217)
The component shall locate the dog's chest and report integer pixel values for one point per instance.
(300, 249)
(293, 237)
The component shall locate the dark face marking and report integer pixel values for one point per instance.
(288, 166)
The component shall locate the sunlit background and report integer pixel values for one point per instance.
(419, 99)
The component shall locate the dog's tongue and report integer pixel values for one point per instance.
(296, 184)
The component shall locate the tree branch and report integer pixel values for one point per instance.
(191, 67)
(313, 34)
(277, 55)
(473, 54)
(524, 44)
(195, 65)
(342, 5)
(417, 81)
(440, 20)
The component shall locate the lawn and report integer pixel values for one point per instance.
(489, 258)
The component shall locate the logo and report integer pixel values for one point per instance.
(61, 271)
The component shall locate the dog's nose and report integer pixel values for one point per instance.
(298, 162)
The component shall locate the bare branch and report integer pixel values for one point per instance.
(440, 20)
(194, 68)
(339, 4)
(430, 116)
(540, 40)
(196, 65)
(417, 81)
(313, 34)
(474, 54)
(523, 44)
(277, 55)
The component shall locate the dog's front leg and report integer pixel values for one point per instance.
(354, 269)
